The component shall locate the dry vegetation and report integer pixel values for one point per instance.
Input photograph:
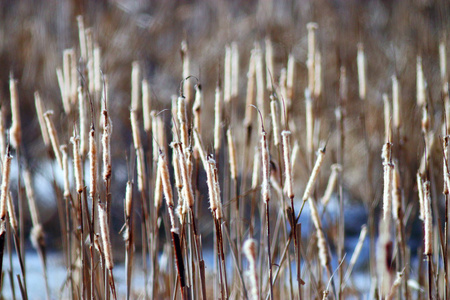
(247, 131)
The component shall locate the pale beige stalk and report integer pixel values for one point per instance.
(232, 155)
(187, 84)
(309, 122)
(250, 90)
(396, 105)
(140, 162)
(275, 121)
(265, 187)
(387, 181)
(269, 63)
(421, 196)
(82, 38)
(387, 119)
(146, 106)
(396, 192)
(30, 196)
(335, 170)
(135, 86)
(288, 186)
(53, 136)
(227, 75)
(428, 219)
(97, 69)
(318, 73)
(260, 86)
(78, 170)
(217, 119)
(197, 107)
(234, 70)
(106, 145)
(290, 78)
(361, 63)
(314, 174)
(5, 185)
(41, 120)
(65, 169)
(420, 83)
(84, 143)
(93, 164)
(443, 61)
(16, 129)
(311, 59)
(12, 213)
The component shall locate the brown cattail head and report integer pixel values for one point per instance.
(6, 172)
(361, 62)
(104, 229)
(53, 136)
(106, 145)
(65, 169)
(16, 128)
(78, 170)
(249, 249)
(428, 219)
(93, 163)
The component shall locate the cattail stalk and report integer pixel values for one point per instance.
(139, 151)
(83, 122)
(318, 75)
(269, 64)
(234, 70)
(106, 145)
(387, 185)
(287, 164)
(387, 119)
(443, 62)
(93, 163)
(396, 105)
(260, 86)
(227, 75)
(309, 122)
(427, 222)
(82, 38)
(146, 106)
(187, 84)
(250, 90)
(290, 78)
(40, 115)
(135, 86)
(77, 166)
(65, 169)
(275, 122)
(197, 107)
(335, 170)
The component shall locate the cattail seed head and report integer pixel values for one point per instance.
(93, 163)
(269, 63)
(227, 75)
(128, 199)
(6, 172)
(106, 145)
(260, 86)
(387, 119)
(428, 221)
(157, 194)
(314, 174)
(197, 107)
(232, 155)
(104, 229)
(421, 196)
(234, 70)
(290, 78)
(83, 122)
(310, 62)
(16, 128)
(265, 168)
(309, 121)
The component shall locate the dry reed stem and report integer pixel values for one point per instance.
(443, 62)
(249, 249)
(265, 187)
(318, 75)
(290, 78)
(182, 121)
(41, 120)
(2, 134)
(356, 253)
(259, 75)
(396, 105)
(97, 69)
(82, 38)
(287, 164)
(275, 121)
(90, 59)
(387, 184)
(84, 143)
(186, 61)
(30, 196)
(311, 59)
(250, 90)
(361, 62)
(16, 128)
(428, 221)
(387, 119)
(77, 166)
(421, 196)
(321, 241)
(396, 192)
(12, 214)
(227, 75)
(139, 151)
(234, 70)
(104, 229)
(197, 108)
(232, 155)
(309, 122)
(269, 63)
(158, 193)
(53, 136)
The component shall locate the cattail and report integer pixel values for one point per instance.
(30, 196)
(53, 136)
(318, 74)
(310, 62)
(396, 192)
(12, 213)
(5, 184)
(210, 180)
(167, 187)
(265, 168)
(140, 166)
(387, 119)
(232, 155)
(321, 241)
(16, 129)
(106, 145)
(135, 84)
(309, 121)
(157, 194)
(97, 70)
(234, 70)
(2, 133)
(428, 221)
(443, 61)
(93, 163)
(249, 249)
(104, 101)
(361, 62)
(182, 120)
(146, 106)
(104, 229)
(90, 59)
(187, 84)
(275, 122)
(335, 170)
(218, 203)
(227, 75)
(290, 77)
(128, 199)
(83, 122)
(217, 119)
(250, 90)
(396, 117)
(387, 185)
(256, 167)
(283, 92)
(40, 115)
(197, 107)
(420, 83)
(78, 170)
(65, 169)
(287, 163)
(37, 236)
(314, 174)
(187, 188)
(176, 171)
(82, 37)
(421, 196)
(260, 86)
(269, 64)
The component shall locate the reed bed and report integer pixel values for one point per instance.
(298, 171)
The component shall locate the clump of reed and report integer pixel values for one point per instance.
(265, 155)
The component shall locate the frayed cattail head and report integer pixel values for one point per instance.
(104, 229)
(314, 174)
(106, 145)
(166, 185)
(249, 249)
(321, 241)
